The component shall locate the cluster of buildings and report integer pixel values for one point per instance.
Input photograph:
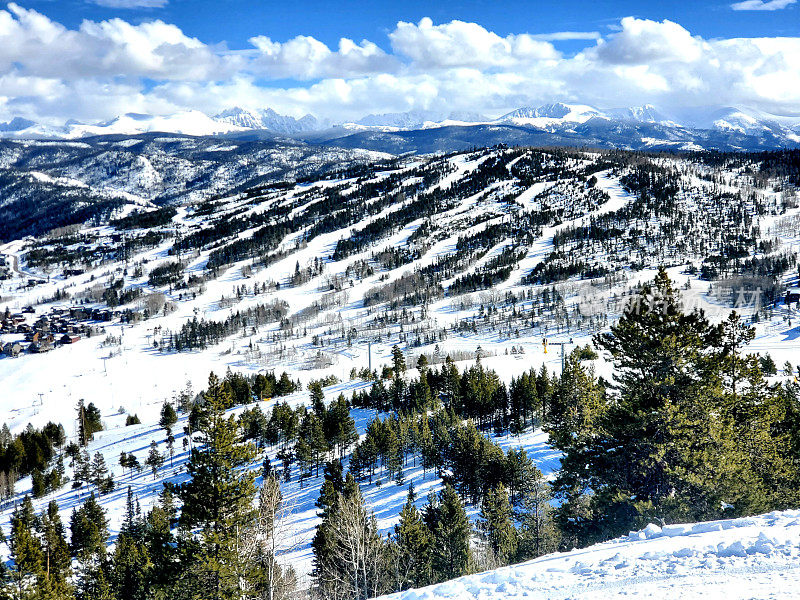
(61, 326)
(792, 296)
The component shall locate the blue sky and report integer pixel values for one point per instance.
(235, 21)
(95, 58)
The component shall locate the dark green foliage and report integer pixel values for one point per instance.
(170, 273)
(496, 525)
(447, 520)
(218, 498)
(413, 541)
(32, 452)
(687, 431)
(146, 219)
(168, 416)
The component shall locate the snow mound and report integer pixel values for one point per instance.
(756, 557)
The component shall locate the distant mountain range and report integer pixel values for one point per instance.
(638, 127)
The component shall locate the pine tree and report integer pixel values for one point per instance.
(99, 471)
(450, 551)
(539, 534)
(131, 572)
(89, 538)
(159, 541)
(154, 460)
(339, 427)
(26, 549)
(56, 557)
(661, 447)
(168, 417)
(413, 541)
(317, 398)
(218, 499)
(328, 501)
(497, 526)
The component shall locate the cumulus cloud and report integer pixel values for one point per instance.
(305, 57)
(49, 72)
(762, 4)
(642, 41)
(38, 46)
(461, 44)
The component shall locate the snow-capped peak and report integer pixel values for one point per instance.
(549, 115)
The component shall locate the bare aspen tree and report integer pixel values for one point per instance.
(269, 537)
(357, 567)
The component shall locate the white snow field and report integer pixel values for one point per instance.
(756, 558)
(121, 370)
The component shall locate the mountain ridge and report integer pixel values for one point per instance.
(636, 127)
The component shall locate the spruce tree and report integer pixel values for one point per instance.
(89, 529)
(218, 499)
(168, 417)
(450, 552)
(55, 553)
(497, 526)
(154, 459)
(159, 542)
(130, 578)
(413, 540)
(26, 549)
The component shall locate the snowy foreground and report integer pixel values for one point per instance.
(757, 557)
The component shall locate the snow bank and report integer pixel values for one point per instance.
(757, 557)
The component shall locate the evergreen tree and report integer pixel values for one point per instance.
(89, 529)
(539, 534)
(26, 549)
(55, 554)
(160, 544)
(168, 417)
(413, 541)
(497, 526)
(218, 499)
(663, 446)
(131, 574)
(154, 460)
(317, 398)
(450, 551)
(339, 427)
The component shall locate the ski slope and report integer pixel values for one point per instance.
(750, 558)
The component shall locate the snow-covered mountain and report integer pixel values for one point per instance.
(359, 249)
(558, 123)
(268, 119)
(552, 115)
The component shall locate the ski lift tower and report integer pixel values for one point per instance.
(546, 343)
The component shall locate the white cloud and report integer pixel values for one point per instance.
(558, 36)
(641, 41)
(762, 4)
(38, 46)
(461, 44)
(49, 72)
(305, 57)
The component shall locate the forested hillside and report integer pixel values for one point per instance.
(426, 367)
